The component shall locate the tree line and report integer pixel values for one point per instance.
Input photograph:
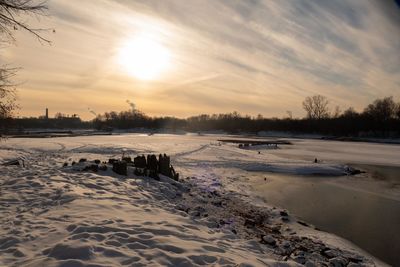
(381, 118)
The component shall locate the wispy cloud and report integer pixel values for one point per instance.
(252, 56)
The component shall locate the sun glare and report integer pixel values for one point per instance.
(144, 58)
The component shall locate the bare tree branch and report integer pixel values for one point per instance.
(12, 13)
(12, 10)
(316, 107)
(7, 92)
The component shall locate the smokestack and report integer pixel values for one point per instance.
(47, 113)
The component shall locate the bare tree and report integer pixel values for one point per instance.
(398, 111)
(382, 109)
(336, 112)
(11, 18)
(12, 14)
(316, 107)
(7, 93)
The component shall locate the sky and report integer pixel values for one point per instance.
(253, 56)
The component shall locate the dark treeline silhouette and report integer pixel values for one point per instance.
(379, 119)
(136, 119)
(15, 125)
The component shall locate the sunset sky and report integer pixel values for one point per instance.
(182, 58)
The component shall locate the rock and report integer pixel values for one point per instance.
(355, 258)
(269, 240)
(182, 208)
(259, 219)
(286, 244)
(300, 259)
(217, 203)
(103, 167)
(283, 213)
(249, 223)
(212, 223)
(329, 253)
(97, 161)
(14, 162)
(194, 213)
(337, 262)
(310, 264)
(303, 223)
(276, 230)
(285, 216)
(73, 163)
(234, 231)
(82, 160)
(353, 171)
(285, 219)
(112, 161)
(352, 264)
(65, 164)
(120, 167)
(92, 167)
(200, 209)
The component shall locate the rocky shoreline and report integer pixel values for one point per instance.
(271, 226)
(229, 211)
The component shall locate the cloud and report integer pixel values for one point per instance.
(253, 56)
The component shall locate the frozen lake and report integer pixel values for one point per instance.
(364, 208)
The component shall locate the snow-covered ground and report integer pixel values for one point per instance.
(55, 216)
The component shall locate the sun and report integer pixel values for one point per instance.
(144, 57)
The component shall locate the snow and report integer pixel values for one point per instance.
(54, 216)
(344, 152)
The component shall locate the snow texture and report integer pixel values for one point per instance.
(58, 216)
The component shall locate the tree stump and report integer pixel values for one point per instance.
(164, 165)
(120, 167)
(140, 162)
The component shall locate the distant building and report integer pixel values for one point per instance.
(47, 113)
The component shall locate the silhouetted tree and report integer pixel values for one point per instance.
(349, 113)
(336, 112)
(381, 109)
(316, 107)
(7, 93)
(398, 111)
(349, 123)
(11, 12)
